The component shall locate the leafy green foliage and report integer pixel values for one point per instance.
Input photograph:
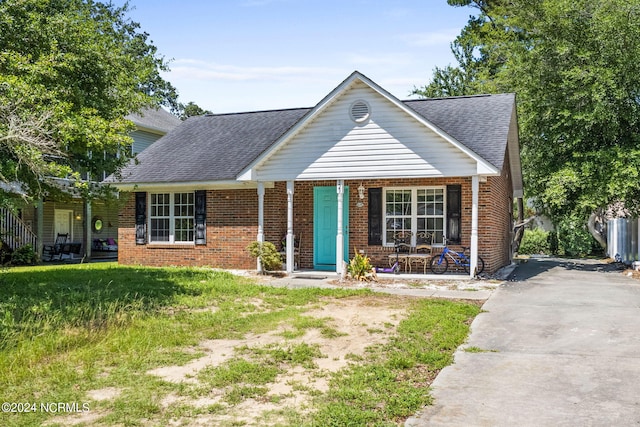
(360, 267)
(534, 242)
(191, 109)
(575, 66)
(267, 253)
(70, 71)
(24, 255)
(573, 237)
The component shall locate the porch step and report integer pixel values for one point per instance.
(312, 275)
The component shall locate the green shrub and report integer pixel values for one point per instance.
(24, 255)
(360, 267)
(268, 255)
(534, 242)
(573, 237)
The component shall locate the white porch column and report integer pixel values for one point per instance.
(260, 237)
(475, 189)
(87, 230)
(290, 243)
(339, 235)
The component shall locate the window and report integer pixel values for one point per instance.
(172, 217)
(430, 213)
(414, 210)
(397, 212)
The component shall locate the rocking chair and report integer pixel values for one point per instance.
(57, 248)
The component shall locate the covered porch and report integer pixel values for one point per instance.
(327, 221)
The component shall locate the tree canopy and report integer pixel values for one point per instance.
(191, 109)
(575, 67)
(70, 71)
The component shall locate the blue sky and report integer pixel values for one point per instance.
(247, 55)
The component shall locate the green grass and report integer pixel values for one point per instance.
(388, 385)
(66, 330)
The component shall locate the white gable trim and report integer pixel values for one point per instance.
(249, 173)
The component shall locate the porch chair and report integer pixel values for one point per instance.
(57, 248)
(297, 242)
(402, 244)
(422, 253)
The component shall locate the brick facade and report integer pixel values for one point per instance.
(232, 218)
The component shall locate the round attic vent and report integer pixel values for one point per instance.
(360, 111)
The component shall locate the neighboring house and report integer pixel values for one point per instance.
(341, 176)
(54, 217)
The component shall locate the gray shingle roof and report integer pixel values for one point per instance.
(154, 119)
(211, 147)
(479, 122)
(219, 147)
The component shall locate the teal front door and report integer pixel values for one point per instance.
(325, 226)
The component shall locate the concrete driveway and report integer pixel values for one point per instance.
(561, 347)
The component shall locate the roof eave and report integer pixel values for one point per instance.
(184, 186)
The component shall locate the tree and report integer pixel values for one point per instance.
(70, 71)
(575, 66)
(191, 110)
(477, 51)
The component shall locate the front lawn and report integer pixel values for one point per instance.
(102, 344)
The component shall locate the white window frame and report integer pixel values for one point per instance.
(414, 211)
(171, 217)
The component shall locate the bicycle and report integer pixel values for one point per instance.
(440, 264)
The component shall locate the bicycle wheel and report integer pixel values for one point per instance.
(439, 267)
(480, 264)
(479, 267)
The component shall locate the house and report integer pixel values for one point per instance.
(39, 226)
(342, 176)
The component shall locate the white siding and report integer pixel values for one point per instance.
(142, 140)
(391, 144)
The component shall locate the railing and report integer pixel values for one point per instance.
(14, 232)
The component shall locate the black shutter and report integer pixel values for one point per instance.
(454, 213)
(141, 218)
(201, 217)
(375, 216)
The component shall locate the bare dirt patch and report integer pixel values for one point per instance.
(353, 323)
